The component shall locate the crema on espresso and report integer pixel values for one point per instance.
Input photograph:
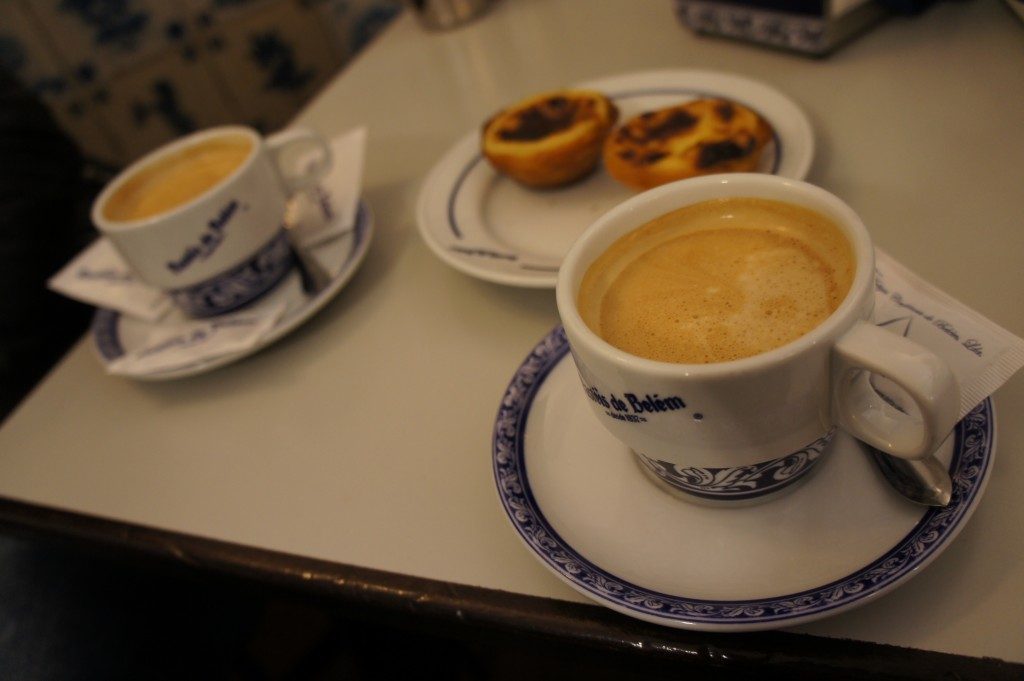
(177, 179)
(717, 281)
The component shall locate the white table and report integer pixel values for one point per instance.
(363, 439)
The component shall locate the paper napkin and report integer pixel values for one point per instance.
(177, 345)
(100, 276)
(329, 210)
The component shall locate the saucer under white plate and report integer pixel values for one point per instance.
(582, 506)
(486, 225)
(115, 334)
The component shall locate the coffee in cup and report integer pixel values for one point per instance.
(717, 281)
(177, 178)
(721, 330)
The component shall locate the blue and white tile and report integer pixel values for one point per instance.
(99, 39)
(164, 98)
(26, 52)
(353, 23)
(269, 60)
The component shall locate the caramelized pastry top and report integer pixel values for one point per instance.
(696, 138)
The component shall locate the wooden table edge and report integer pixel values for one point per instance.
(463, 610)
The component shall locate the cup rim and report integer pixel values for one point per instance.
(157, 155)
(746, 184)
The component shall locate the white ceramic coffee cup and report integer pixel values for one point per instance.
(743, 430)
(227, 246)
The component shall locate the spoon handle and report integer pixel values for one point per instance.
(925, 481)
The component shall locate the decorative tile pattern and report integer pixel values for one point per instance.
(124, 77)
(97, 39)
(270, 60)
(26, 52)
(164, 98)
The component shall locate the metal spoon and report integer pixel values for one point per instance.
(314, 277)
(924, 482)
(302, 208)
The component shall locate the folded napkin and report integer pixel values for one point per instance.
(100, 276)
(174, 346)
(329, 211)
(163, 339)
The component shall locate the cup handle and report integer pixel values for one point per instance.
(296, 179)
(865, 413)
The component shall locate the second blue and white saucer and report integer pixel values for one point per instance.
(114, 334)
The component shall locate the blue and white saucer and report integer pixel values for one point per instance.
(115, 334)
(580, 503)
(490, 227)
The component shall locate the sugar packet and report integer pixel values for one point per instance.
(981, 354)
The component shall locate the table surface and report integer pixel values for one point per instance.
(364, 437)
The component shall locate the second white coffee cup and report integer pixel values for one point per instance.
(202, 218)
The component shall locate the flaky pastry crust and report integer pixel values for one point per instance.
(550, 139)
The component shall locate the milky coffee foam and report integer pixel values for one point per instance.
(718, 281)
(177, 179)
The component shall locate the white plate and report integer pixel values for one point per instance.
(115, 334)
(488, 226)
(583, 507)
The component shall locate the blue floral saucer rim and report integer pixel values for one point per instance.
(973, 453)
(105, 325)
